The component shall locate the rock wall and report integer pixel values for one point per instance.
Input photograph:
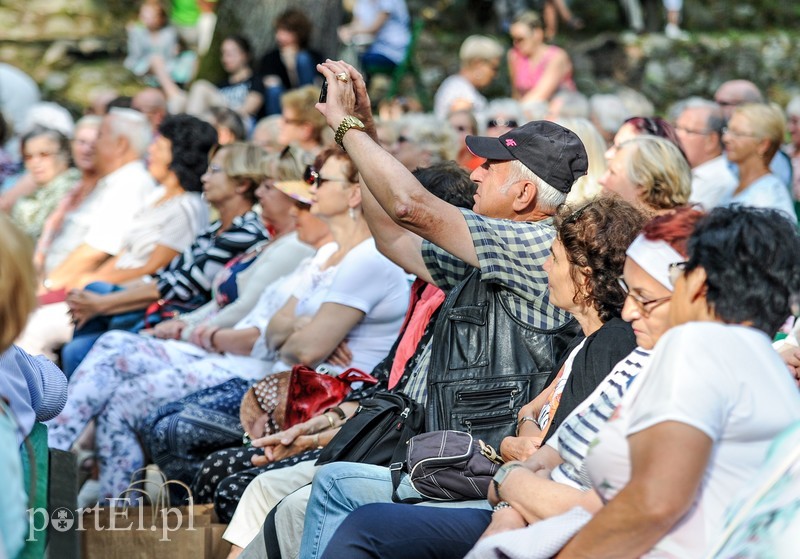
(73, 46)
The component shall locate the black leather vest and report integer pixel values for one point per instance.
(485, 363)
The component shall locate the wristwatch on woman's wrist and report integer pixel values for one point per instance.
(500, 476)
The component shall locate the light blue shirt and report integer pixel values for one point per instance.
(767, 192)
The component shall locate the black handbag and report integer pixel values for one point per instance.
(378, 431)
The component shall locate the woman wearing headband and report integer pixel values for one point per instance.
(694, 430)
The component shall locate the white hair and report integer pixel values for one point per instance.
(548, 198)
(132, 125)
(608, 112)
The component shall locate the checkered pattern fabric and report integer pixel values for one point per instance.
(510, 253)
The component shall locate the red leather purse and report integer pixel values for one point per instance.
(284, 399)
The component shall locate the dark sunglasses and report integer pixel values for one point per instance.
(311, 175)
(501, 122)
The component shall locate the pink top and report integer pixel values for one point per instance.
(526, 75)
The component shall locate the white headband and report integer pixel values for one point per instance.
(654, 257)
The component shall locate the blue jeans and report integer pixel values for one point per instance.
(341, 488)
(84, 338)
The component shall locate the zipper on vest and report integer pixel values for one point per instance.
(474, 396)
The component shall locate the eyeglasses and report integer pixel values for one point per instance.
(645, 306)
(676, 269)
(501, 122)
(214, 169)
(737, 133)
(38, 155)
(693, 131)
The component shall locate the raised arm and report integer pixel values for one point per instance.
(406, 202)
(399, 245)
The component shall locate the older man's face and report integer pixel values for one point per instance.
(495, 193)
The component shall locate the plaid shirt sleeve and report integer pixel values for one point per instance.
(191, 274)
(510, 253)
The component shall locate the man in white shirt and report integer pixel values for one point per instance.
(699, 128)
(480, 60)
(119, 195)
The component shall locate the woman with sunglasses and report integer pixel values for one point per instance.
(694, 430)
(552, 480)
(537, 70)
(222, 343)
(753, 135)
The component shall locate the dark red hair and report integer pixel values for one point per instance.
(674, 227)
(656, 126)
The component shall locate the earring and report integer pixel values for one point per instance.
(352, 213)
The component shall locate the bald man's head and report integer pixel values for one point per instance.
(733, 93)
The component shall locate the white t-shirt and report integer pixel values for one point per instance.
(367, 281)
(261, 358)
(173, 224)
(457, 88)
(724, 380)
(105, 216)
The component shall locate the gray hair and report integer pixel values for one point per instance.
(133, 126)
(716, 118)
(508, 108)
(575, 104)
(88, 121)
(480, 47)
(431, 134)
(548, 198)
(793, 108)
(608, 111)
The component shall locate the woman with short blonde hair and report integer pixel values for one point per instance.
(753, 136)
(651, 172)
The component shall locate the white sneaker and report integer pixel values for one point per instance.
(674, 32)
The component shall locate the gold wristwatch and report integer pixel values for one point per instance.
(347, 123)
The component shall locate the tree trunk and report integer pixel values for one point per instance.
(253, 19)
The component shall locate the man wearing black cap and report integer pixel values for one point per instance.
(496, 326)
(529, 171)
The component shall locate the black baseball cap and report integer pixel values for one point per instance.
(555, 154)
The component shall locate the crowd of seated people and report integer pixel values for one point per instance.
(183, 251)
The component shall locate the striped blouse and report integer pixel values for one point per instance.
(189, 276)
